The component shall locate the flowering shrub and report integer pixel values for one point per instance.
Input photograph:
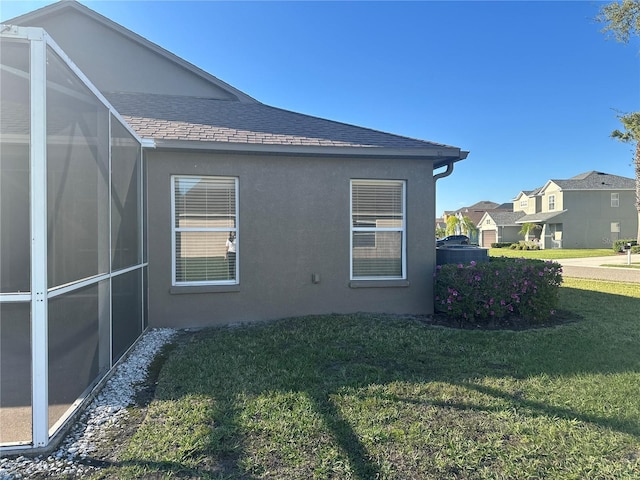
(497, 290)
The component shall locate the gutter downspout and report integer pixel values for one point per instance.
(446, 173)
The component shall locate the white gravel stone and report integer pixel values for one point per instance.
(105, 412)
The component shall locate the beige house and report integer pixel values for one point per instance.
(590, 210)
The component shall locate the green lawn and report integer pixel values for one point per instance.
(375, 396)
(551, 254)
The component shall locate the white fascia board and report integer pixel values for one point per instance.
(443, 154)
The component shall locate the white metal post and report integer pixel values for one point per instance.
(38, 196)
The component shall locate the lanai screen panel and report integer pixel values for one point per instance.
(15, 373)
(127, 311)
(77, 177)
(14, 167)
(75, 237)
(15, 260)
(78, 234)
(126, 208)
(75, 347)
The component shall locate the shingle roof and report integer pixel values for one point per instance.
(539, 217)
(504, 217)
(596, 181)
(168, 117)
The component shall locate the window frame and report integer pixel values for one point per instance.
(402, 230)
(175, 230)
(615, 200)
(551, 202)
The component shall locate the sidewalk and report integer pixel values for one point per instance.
(592, 267)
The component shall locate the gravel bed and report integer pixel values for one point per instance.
(104, 413)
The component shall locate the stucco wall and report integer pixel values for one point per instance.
(293, 222)
(587, 222)
(124, 66)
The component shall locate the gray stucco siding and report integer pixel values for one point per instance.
(293, 222)
(587, 221)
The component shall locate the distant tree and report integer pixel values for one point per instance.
(622, 20)
(440, 232)
(452, 224)
(527, 229)
(467, 226)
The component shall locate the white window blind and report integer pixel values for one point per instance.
(378, 229)
(205, 222)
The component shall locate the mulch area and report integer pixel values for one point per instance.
(561, 317)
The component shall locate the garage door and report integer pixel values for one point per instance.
(488, 237)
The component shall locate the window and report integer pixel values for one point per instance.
(615, 200)
(552, 202)
(524, 203)
(378, 240)
(205, 227)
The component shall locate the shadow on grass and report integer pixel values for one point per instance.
(323, 355)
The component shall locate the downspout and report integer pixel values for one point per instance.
(446, 173)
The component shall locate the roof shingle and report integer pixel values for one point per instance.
(170, 117)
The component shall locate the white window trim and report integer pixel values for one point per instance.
(552, 203)
(615, 200)
(174, 230)
(402, 230)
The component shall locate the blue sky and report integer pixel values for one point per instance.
(531, 89)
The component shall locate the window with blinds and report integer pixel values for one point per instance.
(205, 222)
(378, 229)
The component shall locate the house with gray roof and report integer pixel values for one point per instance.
(138, 190)
(590, 210)
(497, 226)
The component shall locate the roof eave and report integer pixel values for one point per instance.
(441, 156)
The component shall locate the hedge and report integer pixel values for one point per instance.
(618, 245)
(503, 288)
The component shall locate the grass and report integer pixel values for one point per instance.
(375, 396)
(552, 254)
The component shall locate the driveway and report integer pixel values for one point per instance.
(593, 268)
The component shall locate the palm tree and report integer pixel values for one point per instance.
(526, 230)
(452, 224)
(631, 134)
(468, 227)
(621, 20)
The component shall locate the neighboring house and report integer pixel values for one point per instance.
(165, 197)
(475, 213)
(590, 210)
(499, 226)
(527, 201)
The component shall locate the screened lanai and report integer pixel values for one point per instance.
(72, 256)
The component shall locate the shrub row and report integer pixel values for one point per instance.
(618, 245)
(514, 289)
(501, 245)
(525, 246)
